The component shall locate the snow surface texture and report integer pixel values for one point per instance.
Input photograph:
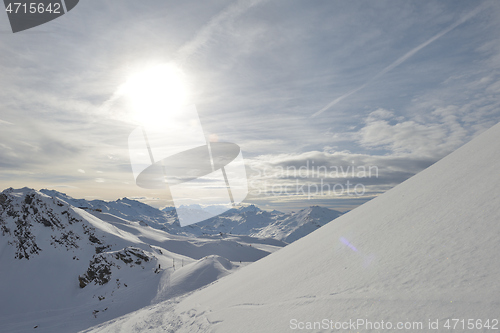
(64, 269)
(425, 250)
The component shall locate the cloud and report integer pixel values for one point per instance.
(401, 148)
(379, 114)
(61, 186)
(31, 148)
(3, 122)
(430, 135)
(328, 174)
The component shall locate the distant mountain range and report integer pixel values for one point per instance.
(252, 221)
(244, 220)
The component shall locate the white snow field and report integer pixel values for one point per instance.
(426, 251)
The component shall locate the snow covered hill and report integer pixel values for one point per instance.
(423, 254)
(64, 269)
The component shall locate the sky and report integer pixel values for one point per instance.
(331, 102)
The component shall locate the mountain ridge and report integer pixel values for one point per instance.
(244, 220)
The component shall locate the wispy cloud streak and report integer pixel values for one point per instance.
(206, 33)
(5, 122)
(405, 57)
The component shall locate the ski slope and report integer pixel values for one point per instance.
(425, 251)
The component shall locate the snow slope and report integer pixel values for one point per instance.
(64, 269)
(426, 250)
(129, 209)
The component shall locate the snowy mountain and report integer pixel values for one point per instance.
(252, 221)
(421, 257)
(66, 268)
(297, 225)
(125, 208)
(244, 220)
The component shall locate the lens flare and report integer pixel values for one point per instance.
(348, 244)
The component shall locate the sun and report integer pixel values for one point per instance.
(156, 93)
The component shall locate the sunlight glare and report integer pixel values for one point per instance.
(156, 93)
